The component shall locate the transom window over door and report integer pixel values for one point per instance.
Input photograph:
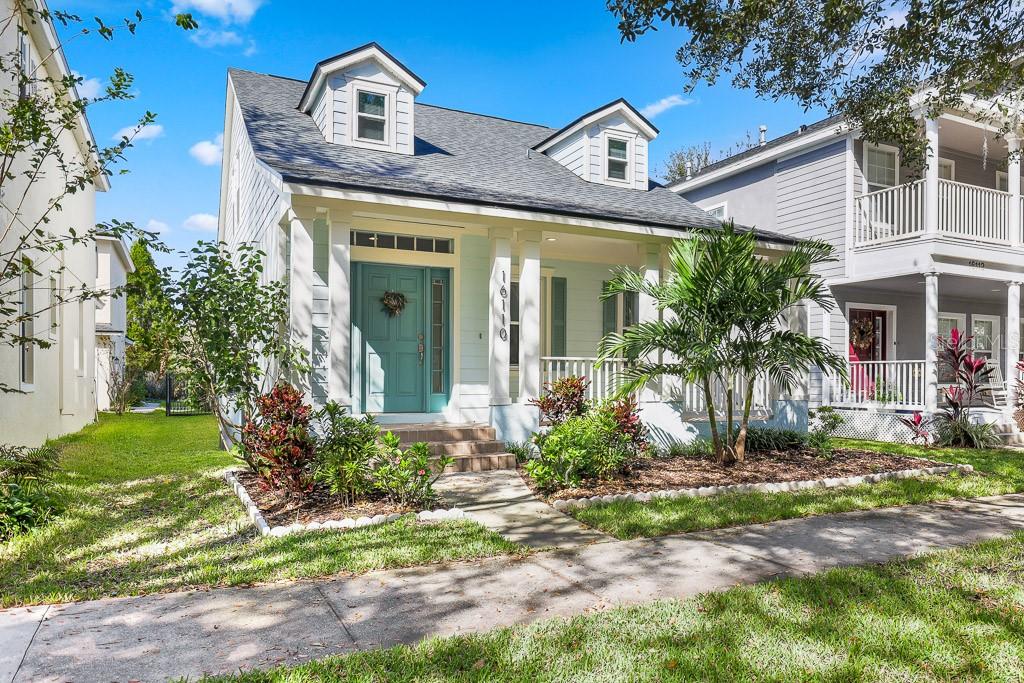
(881, 165)
(371, 116)
(618, 159)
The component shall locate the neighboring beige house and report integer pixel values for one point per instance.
(113, 264)
(58, 384)
(497, 235)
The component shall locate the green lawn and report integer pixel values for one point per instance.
(145, 510)
(998, 471)
(950, 616)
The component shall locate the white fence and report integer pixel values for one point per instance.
(894, 383)
(688, 398)
(965, 211)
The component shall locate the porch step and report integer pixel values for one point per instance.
(410, 434)
(483, 463)
(462, 448)
(474, 447)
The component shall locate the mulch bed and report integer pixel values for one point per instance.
(319, 505)
(656, 474)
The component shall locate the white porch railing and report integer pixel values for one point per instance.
(891, 214)
(973, 212)
(965, 211)
(689, 399)
(893, 383)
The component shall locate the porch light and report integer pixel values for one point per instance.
(550, 239)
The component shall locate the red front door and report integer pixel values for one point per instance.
(869, 334)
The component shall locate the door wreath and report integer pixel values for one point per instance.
(393, 302)
(862, 335)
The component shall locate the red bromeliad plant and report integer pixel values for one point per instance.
(279, 443)
(562, 399)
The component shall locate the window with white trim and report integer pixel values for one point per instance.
(881, 166)
(947, 169)
(27, 326)
(617, 159)
(371, 116)
(719, 211)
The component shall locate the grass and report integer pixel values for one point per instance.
(145, 511)
(997, 471)
(953, 615)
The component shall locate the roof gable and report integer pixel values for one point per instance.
(619, 106)
(369, 52)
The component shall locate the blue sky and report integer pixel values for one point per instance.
(542, 62)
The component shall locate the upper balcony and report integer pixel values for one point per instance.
(963, 216)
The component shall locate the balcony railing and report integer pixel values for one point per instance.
(688, 399)
(966, 212)
(889, 383)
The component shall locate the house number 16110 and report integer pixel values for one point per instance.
(976, 264)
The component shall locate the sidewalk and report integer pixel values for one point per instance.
(218, 631)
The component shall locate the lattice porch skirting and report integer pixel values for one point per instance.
(875, 425)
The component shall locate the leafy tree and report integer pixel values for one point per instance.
(230, 341)
(721, 306)
(150, 321)
(696, 157)
(40, 114)
(863, 59)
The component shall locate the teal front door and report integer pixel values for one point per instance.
(395, 344)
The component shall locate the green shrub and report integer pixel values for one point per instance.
(583, 447)
(26, 495)
(523, 450)
(762, 439)
(698, 448)
(824, 423)
(346, 449)
(406, 477)
(961, 433)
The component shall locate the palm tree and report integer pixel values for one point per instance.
(723, 308)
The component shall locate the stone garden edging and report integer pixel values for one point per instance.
(778, 487)
(265, 529)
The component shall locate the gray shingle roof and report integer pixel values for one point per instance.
(459, 156)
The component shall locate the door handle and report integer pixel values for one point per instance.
(420, 348)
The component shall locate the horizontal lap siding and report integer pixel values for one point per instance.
(255, 190)
(571, 153)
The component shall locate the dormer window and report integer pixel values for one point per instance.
(371, 116)
(617, 159)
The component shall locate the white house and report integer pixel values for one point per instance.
(916, 256)
(113, 263)
(57, 385)
(494, 236)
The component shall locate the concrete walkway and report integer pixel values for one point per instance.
(501, 501)
(219, 631)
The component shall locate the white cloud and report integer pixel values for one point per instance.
(209, 38)
(201, 222)
(208, 152)
(239, 11)
(664, 104)
(89, 88)
(250, 50)
(156, 226)
(147, 132)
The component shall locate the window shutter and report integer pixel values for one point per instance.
(558, 308)
(609, 313)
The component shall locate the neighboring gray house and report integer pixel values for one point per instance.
(915, 257)
(497, 234)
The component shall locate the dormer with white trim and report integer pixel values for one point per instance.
(607, 146)
(364, 98)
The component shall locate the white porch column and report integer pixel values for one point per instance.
(498, 330)
(529, 316)
(1012, 340)
(931, 177)
(339, 378)
(1013, 187)
(650, 262)
(931, 331)
(300, 281)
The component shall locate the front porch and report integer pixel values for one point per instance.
(888, 329)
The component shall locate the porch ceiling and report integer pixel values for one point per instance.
(962, 137)
(950, 286)
(574, 247)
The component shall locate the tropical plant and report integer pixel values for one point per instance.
(696, 448)
(230, 340)
(562, 399)
(626, 413)
(407, 476)
(761, 439)
(918, 426)
(880, 65)
(721, 305)
(26, 497)
(40, 172)
(953, 423)
(523, 450)
(346, 448)
(825, 421)
(277, 443)
(582, 447)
